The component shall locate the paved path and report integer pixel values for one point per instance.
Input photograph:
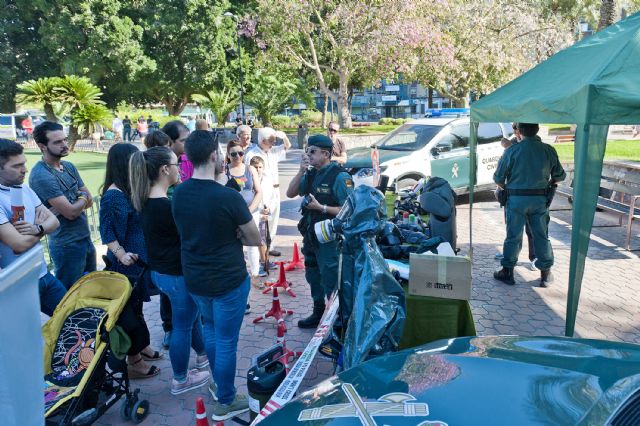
(608, 306)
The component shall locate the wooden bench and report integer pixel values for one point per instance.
(565, 138)
(619, 193)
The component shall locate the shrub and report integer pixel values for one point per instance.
(311, 118)
(280, 121)
(385, 121)
(398, 121)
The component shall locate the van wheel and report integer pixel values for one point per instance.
(405, 183)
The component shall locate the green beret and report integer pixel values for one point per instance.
(321, 141)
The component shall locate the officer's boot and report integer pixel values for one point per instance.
(313, 320)
(546, 277)
(505, 275)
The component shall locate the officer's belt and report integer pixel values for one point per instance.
(526, 192)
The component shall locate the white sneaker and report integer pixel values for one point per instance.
(202, 361)
(532, 265)
(195, 379)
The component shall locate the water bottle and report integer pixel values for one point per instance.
(412, 219)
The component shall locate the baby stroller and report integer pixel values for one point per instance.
(79, 340)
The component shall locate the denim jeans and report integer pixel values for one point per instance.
(73, 260)
(187, 327)
(51, 293)
(222, 321)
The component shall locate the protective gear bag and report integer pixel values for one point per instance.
(370, 297)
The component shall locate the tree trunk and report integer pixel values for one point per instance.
(175, 106)
(430, 97)
(48, 111)
(324, 111)
(607, 14)
(344, 118)
(73, 136)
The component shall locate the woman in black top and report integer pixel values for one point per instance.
(152, 172)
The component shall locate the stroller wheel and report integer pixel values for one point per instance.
(140, 411)
(125, 409)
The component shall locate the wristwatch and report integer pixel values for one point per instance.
(40, 231)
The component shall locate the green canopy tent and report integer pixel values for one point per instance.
(594, 83)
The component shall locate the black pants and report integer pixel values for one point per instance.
(133, 323)
(165, 312)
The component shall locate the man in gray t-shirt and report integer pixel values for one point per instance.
(61, 189)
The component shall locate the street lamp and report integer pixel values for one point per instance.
(231, 15)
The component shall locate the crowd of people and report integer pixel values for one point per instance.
(175, 218)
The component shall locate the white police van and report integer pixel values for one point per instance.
(435, 146)
(7, 126)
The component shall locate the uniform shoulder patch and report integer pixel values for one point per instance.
(348, 183)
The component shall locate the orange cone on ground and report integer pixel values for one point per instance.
(297, 262)
(282, 282)
(276, 312)
(287, 354)
(201, 413)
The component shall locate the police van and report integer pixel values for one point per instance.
(435, 146)
(7, 126)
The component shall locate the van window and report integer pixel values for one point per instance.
(458, 137)
(409, 137)
(489, 132)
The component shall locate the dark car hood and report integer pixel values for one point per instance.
(361, 157)
(477, 381)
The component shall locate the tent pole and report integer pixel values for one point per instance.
(591, 141)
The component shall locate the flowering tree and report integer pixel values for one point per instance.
(495, 42)
(345, 39)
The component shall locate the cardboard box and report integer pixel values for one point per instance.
(447, 277)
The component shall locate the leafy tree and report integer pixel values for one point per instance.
(78, 93)
(42, 91)
(607, 14)
(90, 118)
(188, 41)
(221, 102)
(344, 38)
(270, 95)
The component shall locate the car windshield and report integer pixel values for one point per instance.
(409, 137)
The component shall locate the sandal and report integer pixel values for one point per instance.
(134, 374)
(154, 357)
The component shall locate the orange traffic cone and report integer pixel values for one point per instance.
(201, 413)
(276, 311)
(296, 262)
(287, 354)
(282, 282)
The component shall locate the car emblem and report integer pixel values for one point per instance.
(454, 170)
(392, 404)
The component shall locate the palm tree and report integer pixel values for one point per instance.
(221, 102)
(607, 14)
(77, 93)
(41, 91)
(90, 118)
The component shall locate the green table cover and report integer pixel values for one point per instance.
(433, 318)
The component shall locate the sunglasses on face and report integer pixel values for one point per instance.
(313, 151)
(333, 130)
(236, 154)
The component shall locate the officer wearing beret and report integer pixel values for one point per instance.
(327, 185)
(526, 171)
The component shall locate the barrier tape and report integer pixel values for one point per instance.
(290, 384)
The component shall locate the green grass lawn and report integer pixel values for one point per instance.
(91, 166)
(616, 150)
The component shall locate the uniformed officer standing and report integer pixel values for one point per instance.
(526, 170)
(328, 185)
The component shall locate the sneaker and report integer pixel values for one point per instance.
(213, 389)
(222, 412)
(195, 379)
(498, 256)
(273, 266)
(247, 310)
(262, 272)
(532, 266)
(275, 253)
(202, 361)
